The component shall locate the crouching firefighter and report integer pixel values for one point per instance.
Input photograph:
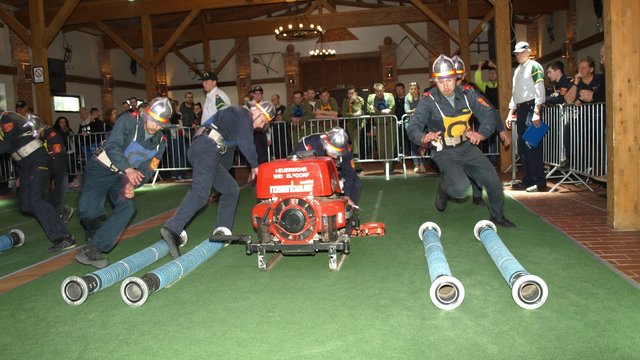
(127, 160)
(19, 137)
(335, 144)
(441, 121)
(230, 126)
(54, 144)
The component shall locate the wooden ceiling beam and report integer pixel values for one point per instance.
(111, 10)
(260, 27)
(54, 27)
(230, 54)
(120, 42)
(175, 36)
(187, 62)
(433, 51)
(439, 22)
(22, 32)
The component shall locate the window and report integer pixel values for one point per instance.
(66, 103)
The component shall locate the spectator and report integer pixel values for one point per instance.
(61, 125)
(110, 117)
(281, 138)
(490, 87)
(383, 103)
(327, 107)
(562, 85)
(260, 134)
(410, 104)
(528, 96)
(353, 106)
(216, 98)
(197, 115)
(310, 97)
(186, 110)
(297, 113)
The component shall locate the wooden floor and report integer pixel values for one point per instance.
(582, 215)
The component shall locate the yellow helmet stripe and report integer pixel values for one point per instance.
(156, 117)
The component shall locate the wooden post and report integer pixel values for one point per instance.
(463, 30)
(622, 53)
(243, 69)
(503, 61)
(149, 68)
(39, 54)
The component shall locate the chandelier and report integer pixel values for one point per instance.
(322, 50)
(298, 28)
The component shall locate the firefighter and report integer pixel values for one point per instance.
(18, 137)
(54, 144)
(444, 113)
(231, 126)
(128, 159)
(335, 144)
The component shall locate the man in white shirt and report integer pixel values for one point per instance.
(216, 98)
(527, 97)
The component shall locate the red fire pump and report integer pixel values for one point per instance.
(301, 210)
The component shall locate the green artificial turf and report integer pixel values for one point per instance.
(376, 307)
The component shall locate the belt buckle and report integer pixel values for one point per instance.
(453, 141)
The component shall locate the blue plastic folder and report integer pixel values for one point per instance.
(534, 135)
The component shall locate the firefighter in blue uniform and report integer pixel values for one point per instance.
(229, 127)
(441, 121)
(128, 159)
(18, 137)
(54, 144)
(335, 144)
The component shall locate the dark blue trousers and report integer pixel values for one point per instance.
(33, 193)
(465, 163)
(100, 182)
(531, 158)
(208, 173)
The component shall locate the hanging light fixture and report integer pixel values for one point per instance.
(298, 27)
(322, 50)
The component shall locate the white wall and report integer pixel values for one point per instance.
(7, 96)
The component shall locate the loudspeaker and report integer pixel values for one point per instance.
(57, 76)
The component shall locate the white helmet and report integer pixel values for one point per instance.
(335, 141)
(458, 64)
(159, 111)
(443, 68)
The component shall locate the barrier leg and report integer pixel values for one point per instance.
(15, 238)
(135, 291)
(528, 291)
(75, 289)
(446, 292)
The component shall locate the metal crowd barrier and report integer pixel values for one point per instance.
(383, 139)
(576, 133)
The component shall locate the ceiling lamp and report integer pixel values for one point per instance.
(298, 28)
(322, 50)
